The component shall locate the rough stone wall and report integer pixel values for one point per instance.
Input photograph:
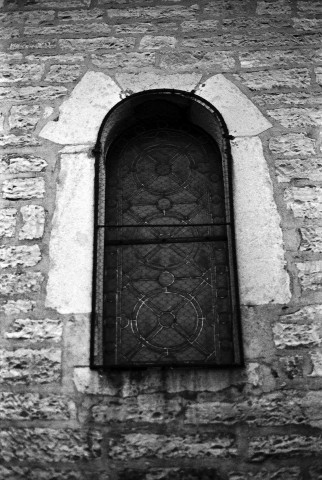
(60, 420)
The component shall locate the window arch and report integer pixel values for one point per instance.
(165, 283)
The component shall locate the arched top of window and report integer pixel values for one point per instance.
(165, 283)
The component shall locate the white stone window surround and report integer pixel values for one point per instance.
(259, 243)
(262, 275)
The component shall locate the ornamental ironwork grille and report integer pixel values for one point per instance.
(165, 249)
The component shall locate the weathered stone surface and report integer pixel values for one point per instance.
(136, 82)
(57, 4)
(30, 366)
(77, 339)
(316, 359)
(199, 25)
(297, 117)
(253, 39)
(36, 17)
(24, 188)
(311, 7)
(14, 307)
(47, 445)
(149, 42)
(69, 287)
(32, 93)
(19, 283)
(305, 202)
(135, 28)
(198, 60)
(13, 163)
(56, 59)
(263, 278)
(311, 239)
(70, 29)
(288, 473)
(261, 448)
(307, 24)
(35, 45)
(24, 255)
(23, 117)
(8, 141)
(14, 472)
(35, 330)
(8, 218)
(34, 222)
(93, 44)
(20, 73)
(170, 474)
(34, 406)
(255, 23)
(291, 367)
(137, 445)
(264, 80)
(318, 74)
(80, 15)
(292, 144)
(82, 114)
(165, 11)
(63, 73)
(273, 7)
(133, 61)
(269, 58)
(226, 7)
(290, 335)
(310, 275)
(295, 168)
(240, 114)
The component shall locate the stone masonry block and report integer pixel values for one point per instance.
(133, 61)
(138, 445)
(287, 473)
(149, 42)
(311, 8)
(47, 445)
(297, 117)
(15, 141)
(192, 61)
(199, 25)
(270, 58)
(290, 169)
(305, 202)
(57, 4)
(82, 29)
(20, 283)
(93, 44)
(20, 73)
(23, 188)
(226, 7)
(17, 472)
(159, 12)
(22, 255)
(237, 39)
(34, 222)
(24, 117)
(8, 222)
(290, 335)
(34, 45)
(35, 406)
(261, 448)
(318, 73)
(311, 239)
(80, 15)
(67, 58)
(316, 359)
(15, 307)
(63, 73)
(310, 275)
(292, 144)
(273, 7)
(291, 367)
(13, 163)
(307, 24)
(265, 80)
(136, 82)
(35, 330)
(30, 366)
(32, 93)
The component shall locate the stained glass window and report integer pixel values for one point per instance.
(168, 294)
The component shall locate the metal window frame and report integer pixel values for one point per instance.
(112, 128)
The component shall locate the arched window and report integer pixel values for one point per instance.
(165, 278)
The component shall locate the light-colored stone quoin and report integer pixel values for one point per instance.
(82, 114)
(260, 253)
(69, 286)
(241, 116)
